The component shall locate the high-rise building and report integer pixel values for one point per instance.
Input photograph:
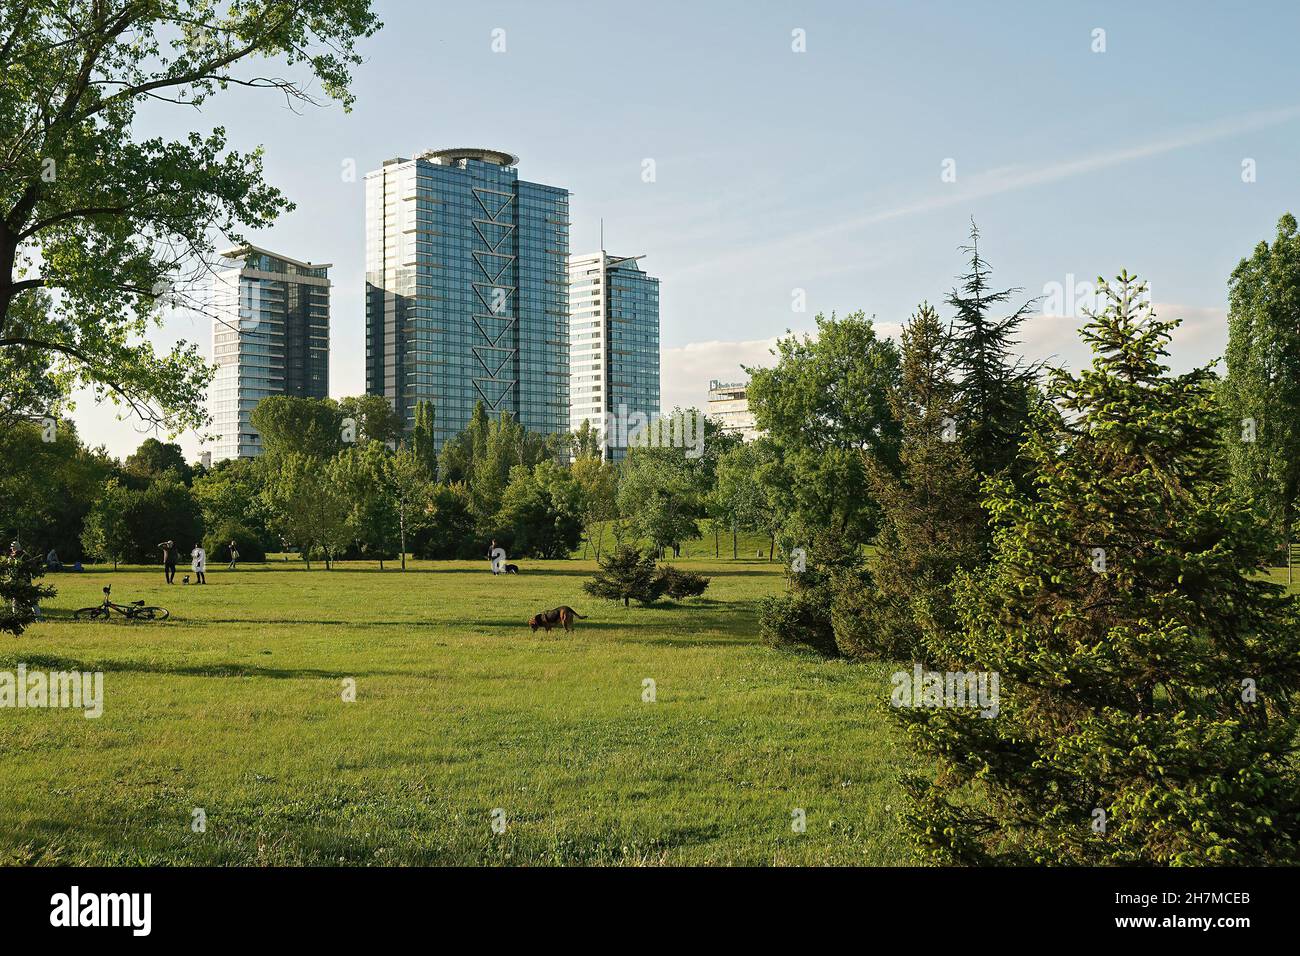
(466, 290)
(270, 336)
(729, 407)
(614, 346)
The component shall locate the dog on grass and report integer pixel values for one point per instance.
(512, 569)
(561, 616)
(185, 580)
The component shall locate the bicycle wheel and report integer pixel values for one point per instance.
(152, 613)
(87, 613)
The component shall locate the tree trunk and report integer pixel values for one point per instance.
(715, 540)
(733, 543)
(401, 521)
(771, 548)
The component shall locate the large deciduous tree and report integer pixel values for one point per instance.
(1261, 392)
(98, 224)
(825, 407)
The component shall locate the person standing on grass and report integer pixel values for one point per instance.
(169, 560)
(234, 556)
(199, 564)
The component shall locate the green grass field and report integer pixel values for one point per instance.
(235, 706)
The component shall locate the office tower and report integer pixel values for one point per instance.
(466, 291)
(614, 355)
(729, 407)
(270, 336)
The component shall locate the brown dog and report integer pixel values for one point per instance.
(562, 615)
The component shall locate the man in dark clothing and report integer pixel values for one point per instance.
(169, 559)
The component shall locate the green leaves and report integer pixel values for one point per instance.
(96, 225)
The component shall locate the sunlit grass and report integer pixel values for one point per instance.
(235, 706)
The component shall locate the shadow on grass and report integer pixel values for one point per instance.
(56, 663)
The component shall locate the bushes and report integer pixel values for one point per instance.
(628, 574)
(250, 546)
(801, 619)
(679, 585)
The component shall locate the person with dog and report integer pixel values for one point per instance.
(234, 556)
(199, 564)
(169, 560)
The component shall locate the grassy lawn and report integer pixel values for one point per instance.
(235, 706)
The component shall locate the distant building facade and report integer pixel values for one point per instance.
(613, 346)
(467, 290)
(270, 336)
(729, 407)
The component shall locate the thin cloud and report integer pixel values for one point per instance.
(1006, 179)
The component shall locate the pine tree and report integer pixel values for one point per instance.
(1147, 672)
(995, 388)
(626, 574)
(930, 512)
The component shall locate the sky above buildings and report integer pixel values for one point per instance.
(849, 171)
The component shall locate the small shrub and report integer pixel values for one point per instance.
(801, 619)
(678, 584)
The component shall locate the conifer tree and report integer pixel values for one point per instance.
(995, 388)
(1147, 672)
(627, 574)
(930, 512)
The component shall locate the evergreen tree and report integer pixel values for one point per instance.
(995, 388)
(626, 574)
(1261, 393)
(930, 513)
(1147, 672)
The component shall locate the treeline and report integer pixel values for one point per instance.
(1093, 543)
(341, 480)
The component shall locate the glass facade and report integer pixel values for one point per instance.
(466, 290)
(613, 345)
(270, 336)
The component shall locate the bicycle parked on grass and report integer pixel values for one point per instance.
(135, 611)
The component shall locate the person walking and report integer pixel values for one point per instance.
(199, 564)
(169, 560)
(234, 556)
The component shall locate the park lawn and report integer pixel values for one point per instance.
(235, 706)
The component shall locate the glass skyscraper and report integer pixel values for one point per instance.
(614, 346)
(466, 289)
(270, 336)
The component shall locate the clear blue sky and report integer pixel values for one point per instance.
(820, 170)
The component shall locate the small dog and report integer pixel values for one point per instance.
(185, 579)
(562, 615)
(512, 569)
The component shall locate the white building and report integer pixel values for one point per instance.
(729, 407)
(270, 336)
(613, 346)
